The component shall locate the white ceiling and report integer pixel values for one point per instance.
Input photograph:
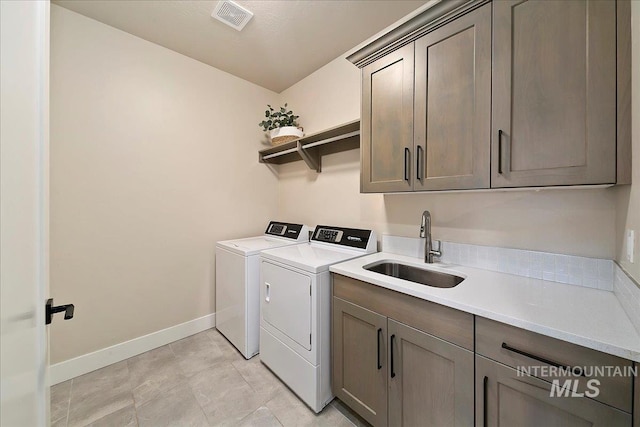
(283, 43)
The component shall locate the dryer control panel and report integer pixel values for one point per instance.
(349, 237)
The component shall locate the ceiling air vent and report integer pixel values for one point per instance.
(232, 14)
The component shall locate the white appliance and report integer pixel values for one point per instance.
(295, 308)
(238, 282)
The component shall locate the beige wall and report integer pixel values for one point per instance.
(153, 159)
(629, 196)
(579, 222)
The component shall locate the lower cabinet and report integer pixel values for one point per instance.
(359, 360)
(430, 380)
(396, 375)
(504, 398)
(401, 361)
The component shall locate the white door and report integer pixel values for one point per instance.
(24, 139)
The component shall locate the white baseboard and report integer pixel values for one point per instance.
(80, 365)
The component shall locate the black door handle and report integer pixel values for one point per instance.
(393, 370)
(500, 151)
(419, 162)
(407, 163)
(379, 337)
(485, 385)
(50, 310)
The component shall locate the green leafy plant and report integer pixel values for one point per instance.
(278, 118)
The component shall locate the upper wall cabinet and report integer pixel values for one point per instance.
(426, 111)
(554, 93)
(452, 119)
(387, 123)
(472, 94)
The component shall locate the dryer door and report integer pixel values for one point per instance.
(286, 302)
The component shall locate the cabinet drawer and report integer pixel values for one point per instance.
(505, 398)
(518, 348)
(443, 322)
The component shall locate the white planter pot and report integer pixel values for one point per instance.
(285, 134)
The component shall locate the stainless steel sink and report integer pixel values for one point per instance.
(415, 274)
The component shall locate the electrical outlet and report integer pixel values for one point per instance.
(631, 243)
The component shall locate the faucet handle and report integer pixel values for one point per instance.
(437, 252)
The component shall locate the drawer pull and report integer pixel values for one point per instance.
(379, 338)
(538, 358)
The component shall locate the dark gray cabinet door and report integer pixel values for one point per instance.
(430, 380)
(359, 360)
(452, 126)
(505, 399)
(554, 93)
(387, 123)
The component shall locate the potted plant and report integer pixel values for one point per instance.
(282, 125)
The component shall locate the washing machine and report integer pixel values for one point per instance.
(238, 282)
(295, 308)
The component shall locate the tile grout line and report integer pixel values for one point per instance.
(133, 398)
(204, 413)
(190, 387)
(264, 404)
(275, 415)
(257, 409)
(340, 412)
(242, 376)
(187, 378)
(69, 404)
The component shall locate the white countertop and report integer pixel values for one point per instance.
(588, 317)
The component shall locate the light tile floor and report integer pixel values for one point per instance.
(201, 380)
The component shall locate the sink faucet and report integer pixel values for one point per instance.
(425, 233)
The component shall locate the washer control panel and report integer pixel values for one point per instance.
(277, 229)
(284, 229)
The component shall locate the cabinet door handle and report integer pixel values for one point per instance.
(379, 339)
(538, 358)
(500, 151)
(393, 371)
(267, 293)
(407, 165)
(485, 386)
(419, 162)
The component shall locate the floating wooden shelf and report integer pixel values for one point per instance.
(310, 148)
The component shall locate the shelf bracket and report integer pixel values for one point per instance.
(312, 159)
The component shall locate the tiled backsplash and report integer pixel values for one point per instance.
(628, 294)
(574, 270)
